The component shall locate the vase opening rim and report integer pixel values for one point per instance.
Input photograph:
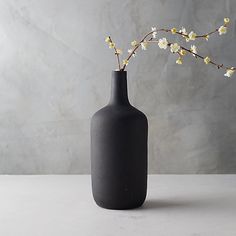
(119, 71)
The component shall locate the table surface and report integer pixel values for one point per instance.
(62, 205)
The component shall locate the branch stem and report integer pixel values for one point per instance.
(116, 53)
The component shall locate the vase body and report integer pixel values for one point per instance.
(119, 150)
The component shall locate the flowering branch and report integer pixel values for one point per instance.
(117, 51)
(174, 47)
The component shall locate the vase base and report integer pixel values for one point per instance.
(120, 207)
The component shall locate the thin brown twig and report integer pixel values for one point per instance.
(204, 35)
(116, 53)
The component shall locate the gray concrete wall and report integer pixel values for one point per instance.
(55, 73)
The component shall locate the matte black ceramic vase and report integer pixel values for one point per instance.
(119, 150)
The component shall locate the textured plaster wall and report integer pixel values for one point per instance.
(55, 73)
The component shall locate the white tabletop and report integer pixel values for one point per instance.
(63, 206)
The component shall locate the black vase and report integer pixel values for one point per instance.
(119, 150)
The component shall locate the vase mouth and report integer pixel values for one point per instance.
(119, 71)
(119, 74)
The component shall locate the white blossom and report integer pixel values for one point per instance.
(194, 50)
(125, 62)
(107, 39)
(154, 32)
(130, 51)
(119, 51)
(183, 31)
(226, 20)
(134, 43)
(222, 30)
(207, 60)
(163, 43)
(179, 61)
(229, 72)
(112, 45)
(173, 30)
(174, 47)
(144, 45)
(192, 35)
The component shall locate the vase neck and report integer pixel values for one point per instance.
(119, 93)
